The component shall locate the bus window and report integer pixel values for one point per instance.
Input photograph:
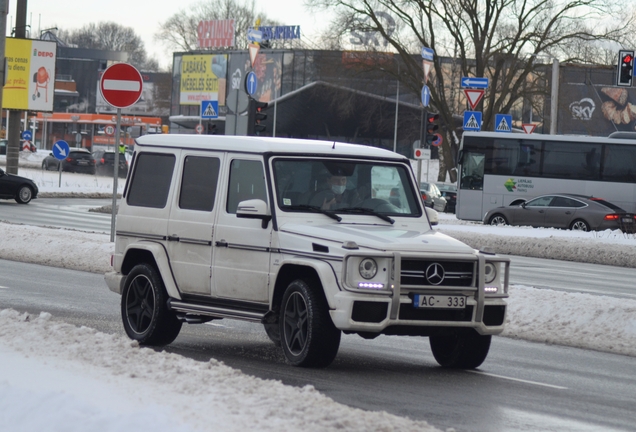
(619, 163)
(572, 160)
(472, 175)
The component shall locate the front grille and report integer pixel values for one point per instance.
(456, 273)
(408, 312)
(371, 312)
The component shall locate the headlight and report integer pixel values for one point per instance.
(368, 268)
(490, 272)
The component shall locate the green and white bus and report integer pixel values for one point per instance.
(496, 169)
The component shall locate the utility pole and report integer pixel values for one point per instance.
(15, 116)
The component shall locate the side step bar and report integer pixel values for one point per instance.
(214, 311)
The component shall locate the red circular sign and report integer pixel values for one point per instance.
(109, 130)
(438, 140)
(121, 85)
(198, 128)
(418, 153)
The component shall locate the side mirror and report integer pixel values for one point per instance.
(254, 209)
(433, 216)
(523, 205)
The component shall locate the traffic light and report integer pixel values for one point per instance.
(625, 68)
(256, 117)
(431, 128)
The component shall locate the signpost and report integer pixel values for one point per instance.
(529, 127)
(109, 130)
(472, 120)
(251, 83)
(475, 82)
(503, 123)
(422, 154)
(474, 96)
(120, 85)
(426, 96)
(199, 129)
(61, 150)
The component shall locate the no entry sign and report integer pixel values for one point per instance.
(121, 85)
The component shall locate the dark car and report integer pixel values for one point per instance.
(568, 211)
(78, 160)
(3, 147)
(105, 163)
(449, 191)
(432, 197)
(21, 189)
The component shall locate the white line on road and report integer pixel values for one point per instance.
(519, 380)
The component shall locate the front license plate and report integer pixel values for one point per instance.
(439, 301)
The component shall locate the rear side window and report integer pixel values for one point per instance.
(151, 181)
(198, 185)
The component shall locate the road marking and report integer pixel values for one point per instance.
(3, 287)
(519, 380)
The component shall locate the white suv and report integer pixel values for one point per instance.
(309, 238)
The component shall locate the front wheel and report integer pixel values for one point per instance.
(144, 308)
(308, 335)
(24, 195)
(498, 219)
(580, 225)
(460, 351)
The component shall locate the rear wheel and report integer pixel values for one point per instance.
(308, 335)
(498, 219)
(144, 308)
(460, 351)
(24, 195)
(579, 225)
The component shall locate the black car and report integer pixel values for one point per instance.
(78, 160)
(105, 163)
(18, 188)
(3, 147)
(449, 191)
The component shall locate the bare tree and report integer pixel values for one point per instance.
(179, 32)
(114, 37)
(504, 40)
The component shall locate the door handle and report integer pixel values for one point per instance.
(173, 237)
(221, 243)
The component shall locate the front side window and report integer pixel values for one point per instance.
(247, 181)
(344, 186)
(150, 183)
(540, 202)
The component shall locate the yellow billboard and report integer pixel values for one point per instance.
(203, 78)
(30, 75)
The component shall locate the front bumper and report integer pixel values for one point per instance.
(115, 281)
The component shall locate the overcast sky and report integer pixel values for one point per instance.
(145, 16)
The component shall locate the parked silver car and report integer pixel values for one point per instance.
(568, 211)
(432, 196)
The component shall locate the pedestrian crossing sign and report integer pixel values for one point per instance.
(209, 109)
(472, 120)
(503, 123)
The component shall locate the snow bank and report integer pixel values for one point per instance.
(173, 393)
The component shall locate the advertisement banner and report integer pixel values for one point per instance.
(30, 75)
(203, 77)
(215, 33)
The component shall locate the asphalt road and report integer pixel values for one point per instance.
(522, 386)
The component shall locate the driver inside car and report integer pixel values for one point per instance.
(337, 195)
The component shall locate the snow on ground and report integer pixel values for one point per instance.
(56, 376)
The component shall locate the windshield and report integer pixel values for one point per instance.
(343, 186)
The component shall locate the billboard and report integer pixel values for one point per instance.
(30, 75)
(215, 33)
(203, 78)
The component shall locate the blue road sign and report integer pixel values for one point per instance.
(27, 135)
(475, 82)
(210, 109)
(251, 83)
(472, 120)
(254, 35)
(503, 123)
(427, 53)
(60, 149)
(426, 96)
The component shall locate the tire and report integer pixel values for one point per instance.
(497, 220)
(273, 333)
(308, 336)
(579, 225)
(460, 351)
(24, 195)
(144, 308)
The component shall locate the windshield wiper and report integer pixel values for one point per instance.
(314, 209)
(364, 210)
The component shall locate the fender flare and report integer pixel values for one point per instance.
(326, 273)
(162, 262)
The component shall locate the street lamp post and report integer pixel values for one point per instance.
(397, 102)
(554, 97)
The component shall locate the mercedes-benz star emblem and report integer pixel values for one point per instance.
(435, 274)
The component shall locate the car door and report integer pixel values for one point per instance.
(192, 215)
(561, 212)
(533, 213)
(242, 245)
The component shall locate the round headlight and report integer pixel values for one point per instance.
(368, 268)
(490, 272)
